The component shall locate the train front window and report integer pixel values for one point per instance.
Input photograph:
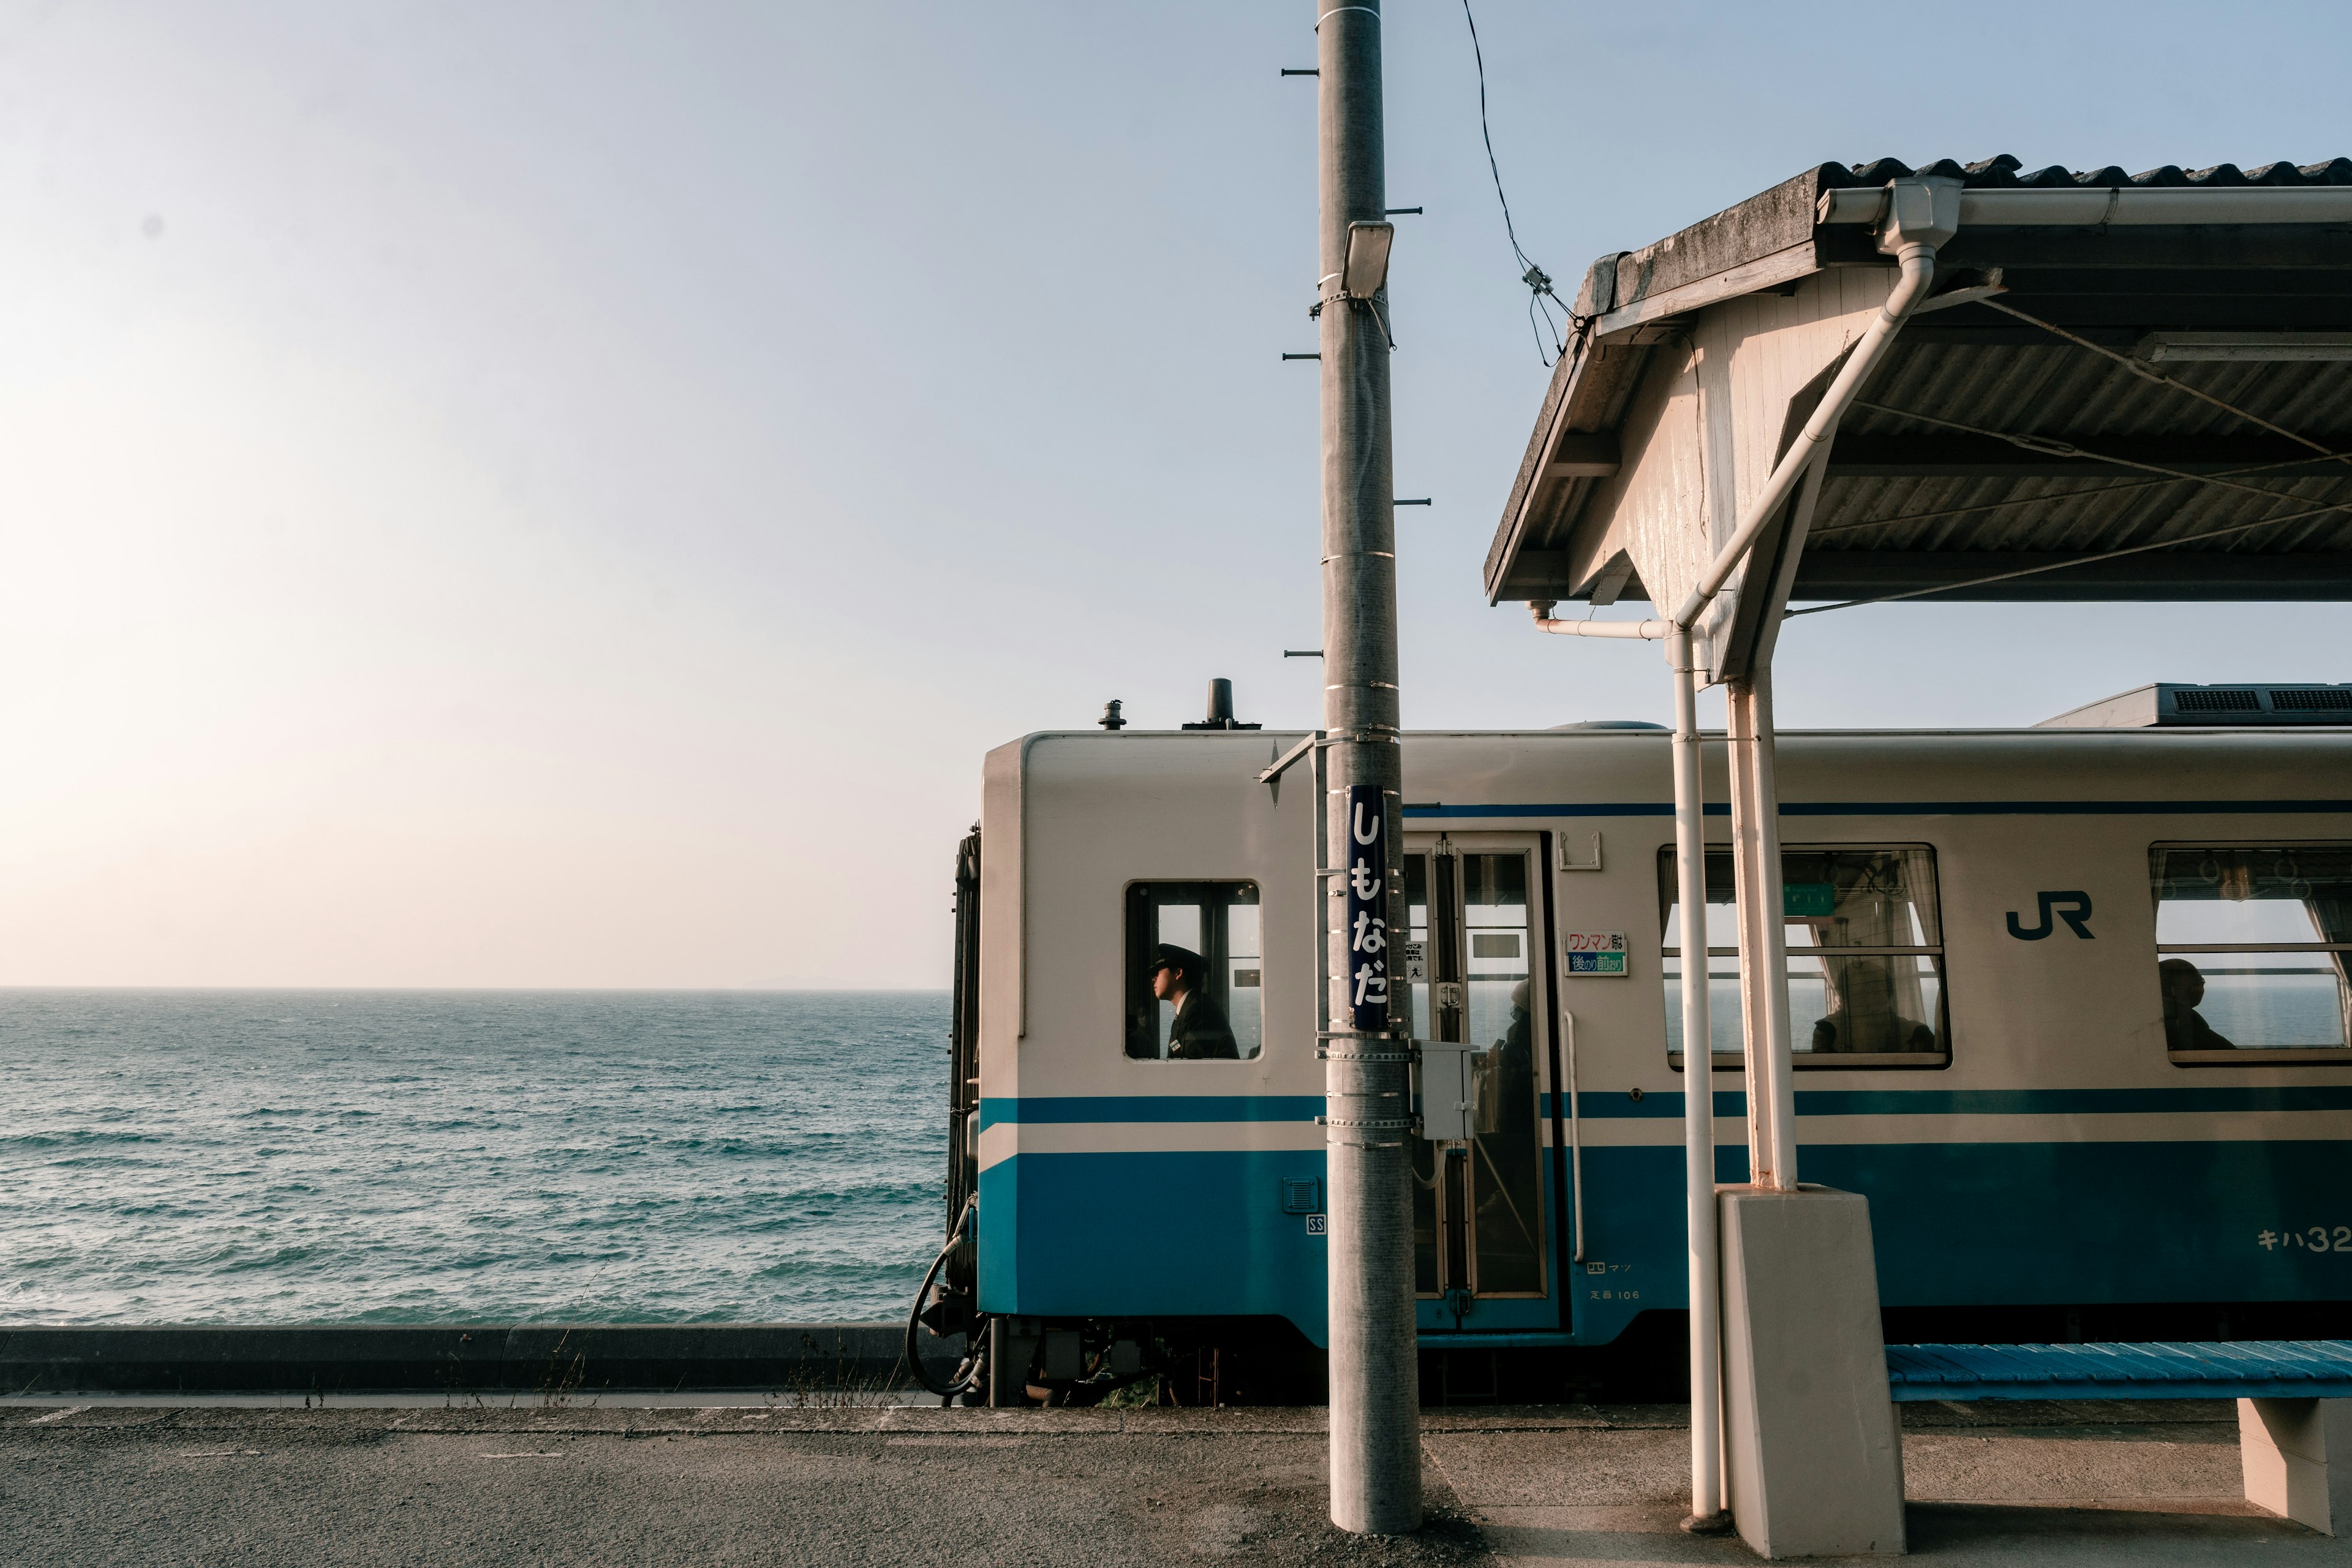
(1173, 1014)
(1865, 943)
(2252, 945)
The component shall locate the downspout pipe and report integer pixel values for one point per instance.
(1649, 631)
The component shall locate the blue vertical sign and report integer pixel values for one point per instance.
(1367, 908)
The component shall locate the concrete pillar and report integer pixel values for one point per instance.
(2285, 1447)
(1815, 1450)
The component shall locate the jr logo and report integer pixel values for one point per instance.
(2074, 908)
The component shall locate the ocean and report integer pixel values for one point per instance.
(397, 1157)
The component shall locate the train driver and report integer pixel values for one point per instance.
(1199, 1031)
(2185, 1028)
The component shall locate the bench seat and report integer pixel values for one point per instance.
(2244, 1369)
(2295, 1401)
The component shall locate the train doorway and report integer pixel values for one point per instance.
(1472, 972)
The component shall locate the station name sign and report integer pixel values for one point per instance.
(1368, 908)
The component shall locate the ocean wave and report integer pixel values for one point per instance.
(403, 1158)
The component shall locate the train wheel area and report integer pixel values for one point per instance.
(1267, 1364)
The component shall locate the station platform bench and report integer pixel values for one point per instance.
(2295, 1401)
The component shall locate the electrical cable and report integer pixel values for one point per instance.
(2102, 488)
(2047, 444)
(2069, 562)
(2051, 447)
(967, 1372)
(2148, 372)
(1539, 282)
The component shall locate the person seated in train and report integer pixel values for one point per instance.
(1864, 1016)
(1199, 1031)
(1838, 1032)
(2185, 1028)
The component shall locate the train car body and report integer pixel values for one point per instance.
(1997, 1041)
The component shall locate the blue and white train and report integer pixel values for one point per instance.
(2070, 1008)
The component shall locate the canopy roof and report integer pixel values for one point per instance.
(2109, 363)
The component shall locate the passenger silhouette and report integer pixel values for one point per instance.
(1199, 1031)
(2185, 1028)
(1865, 1017)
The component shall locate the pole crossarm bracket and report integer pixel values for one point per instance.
(1283, 764)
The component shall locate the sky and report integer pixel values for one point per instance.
(566, 494)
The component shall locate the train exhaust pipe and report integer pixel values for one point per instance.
(1220, 709)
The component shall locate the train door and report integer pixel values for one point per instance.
(1472, 969)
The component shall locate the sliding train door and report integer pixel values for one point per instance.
(1472, 969)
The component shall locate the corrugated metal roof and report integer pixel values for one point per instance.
(1922, 490)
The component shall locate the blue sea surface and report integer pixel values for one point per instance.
(375, 1157)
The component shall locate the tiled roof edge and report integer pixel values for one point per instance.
(2005, 172)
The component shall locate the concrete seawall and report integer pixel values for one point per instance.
(466, 1358)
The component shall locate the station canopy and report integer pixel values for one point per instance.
(2122, 387)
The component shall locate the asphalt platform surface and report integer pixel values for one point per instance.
(121, 1482)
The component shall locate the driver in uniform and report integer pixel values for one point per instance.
(1199, 1031)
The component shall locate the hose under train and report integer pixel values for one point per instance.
(967, 1372)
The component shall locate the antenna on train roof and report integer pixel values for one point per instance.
(1111, 719)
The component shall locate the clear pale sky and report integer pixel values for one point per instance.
(543, 494)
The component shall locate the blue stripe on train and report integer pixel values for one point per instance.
(1203, 1234)
(1603, 1104)
(1618, 1104)
(1067, 1108)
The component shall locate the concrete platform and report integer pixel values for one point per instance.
(121, 1482)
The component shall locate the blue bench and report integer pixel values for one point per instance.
(2295, 1401)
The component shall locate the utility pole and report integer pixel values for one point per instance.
(1375, 1372)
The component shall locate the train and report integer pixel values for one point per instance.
(2069, 1003)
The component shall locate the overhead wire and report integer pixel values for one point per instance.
(2095, 488)
(1537, 281)
(2069, 562)
(2049, 446)
(2146, 372)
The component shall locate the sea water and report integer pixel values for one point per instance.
(357, 1157)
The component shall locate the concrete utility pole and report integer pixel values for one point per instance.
(1375, 1373)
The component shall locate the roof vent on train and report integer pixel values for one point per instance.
(1220, 709)
(1608, 724)
(2166, 703)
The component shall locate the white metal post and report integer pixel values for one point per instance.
(1699, 1094)
(1764, 945)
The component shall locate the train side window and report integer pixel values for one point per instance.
(1219, 922)
(2253, 943)
(1865, 943)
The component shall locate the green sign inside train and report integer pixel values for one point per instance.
(1808, 900)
